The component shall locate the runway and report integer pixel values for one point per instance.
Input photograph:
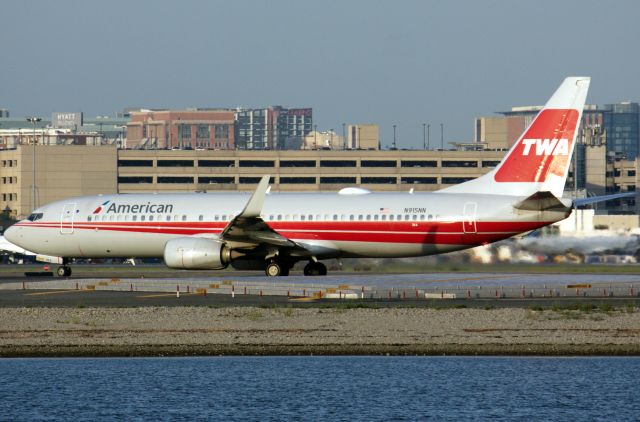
(152, 286)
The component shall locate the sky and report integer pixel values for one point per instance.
(385, 62)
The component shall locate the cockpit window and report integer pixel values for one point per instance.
(35, 216)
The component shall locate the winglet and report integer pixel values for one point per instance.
(254, 205)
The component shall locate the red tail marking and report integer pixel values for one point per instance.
(543, 149)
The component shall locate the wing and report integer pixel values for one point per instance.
(248, 229)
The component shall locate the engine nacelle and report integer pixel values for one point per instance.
(193, 253)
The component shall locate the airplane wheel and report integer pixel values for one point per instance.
(322, 269)
(63, 271)
(67, 272)
(315, 269)
(273, 269)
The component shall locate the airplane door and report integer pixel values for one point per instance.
(67, 218)
(469, 217)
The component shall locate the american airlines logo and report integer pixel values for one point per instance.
(113, 208)
(546, 146)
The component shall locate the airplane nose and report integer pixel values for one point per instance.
(11, 234)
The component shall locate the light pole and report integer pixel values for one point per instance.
(428, 135)
(424, 136)
(442, 136)
(33, 121)
(344, 136)
(394, 138)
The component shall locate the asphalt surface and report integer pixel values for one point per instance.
(124, 299)
(155, 285)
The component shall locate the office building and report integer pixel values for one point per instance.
(273, 128)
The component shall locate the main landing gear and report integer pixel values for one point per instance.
(63, 271)
(315, 268)
(278, 268)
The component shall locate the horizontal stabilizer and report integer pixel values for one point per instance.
(595, 199)
(541, 201)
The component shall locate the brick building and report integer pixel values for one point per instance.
(206, 129)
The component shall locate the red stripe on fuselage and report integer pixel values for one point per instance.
(378, 232)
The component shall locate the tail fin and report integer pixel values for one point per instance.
(540, 159)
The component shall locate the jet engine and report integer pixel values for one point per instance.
(193, 253)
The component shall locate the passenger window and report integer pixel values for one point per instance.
(430, 217)
(406, 217)
(111, 217)
(415, 217)
(383, 217)
(391, 217)
(303, 217)
(168, 218)
(184, 218)
(352, 217)
(200, 217)
(368, 217)
(335, 217)
(422, 216)
(134, 218)
(310, 217)
(150, 218)
(89, 218)
(375, 217)
(126, 217)
(399, 217)
(360, 217)
(142, 218)
(175, 218)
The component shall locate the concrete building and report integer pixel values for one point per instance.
(206, 129)
(365, 136)
(323, 140)
(11, 138)
(60, 172)
(303, 170)
(273, 128)
(499, 133)
(96, 130)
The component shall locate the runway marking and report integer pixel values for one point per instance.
(54, 292)
(161, 295)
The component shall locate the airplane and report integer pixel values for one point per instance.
(272, 231)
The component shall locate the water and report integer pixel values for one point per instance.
(321, 388)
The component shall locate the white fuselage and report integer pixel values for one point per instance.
(327, 224)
